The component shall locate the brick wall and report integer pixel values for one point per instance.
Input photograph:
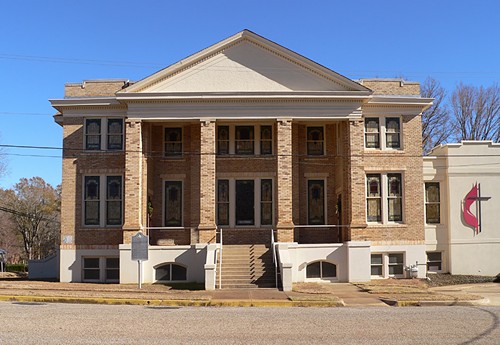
(392, 86)
(94, 88)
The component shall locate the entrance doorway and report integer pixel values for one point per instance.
(245, 214)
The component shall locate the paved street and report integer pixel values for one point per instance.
(31, 323)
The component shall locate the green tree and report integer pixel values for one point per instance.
(34, 208)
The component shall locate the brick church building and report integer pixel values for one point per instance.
(288, 169)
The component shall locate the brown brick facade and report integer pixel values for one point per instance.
(145, 168)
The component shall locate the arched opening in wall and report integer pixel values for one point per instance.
(323, 270)
(170, 272)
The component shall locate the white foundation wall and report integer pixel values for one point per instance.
(192, 257)
(352, 260)
(71, 262)
(480, 258)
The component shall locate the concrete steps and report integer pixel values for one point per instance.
(246, 267)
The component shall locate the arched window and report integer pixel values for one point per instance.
(170, 272)
(321, 270)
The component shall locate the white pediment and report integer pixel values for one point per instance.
(245, 62)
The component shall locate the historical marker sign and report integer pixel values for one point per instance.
(140, 244)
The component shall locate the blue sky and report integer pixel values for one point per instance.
(45, 44)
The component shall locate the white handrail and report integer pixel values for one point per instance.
(275, 259)
(220, 260)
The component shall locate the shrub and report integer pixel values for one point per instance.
(16, 268)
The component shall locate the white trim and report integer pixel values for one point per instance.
(256, 138)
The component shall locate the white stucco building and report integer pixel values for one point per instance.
(453, 242)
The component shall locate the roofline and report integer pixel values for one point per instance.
(217, 47)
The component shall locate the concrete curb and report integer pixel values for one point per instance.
(171, 303)
(397, 303)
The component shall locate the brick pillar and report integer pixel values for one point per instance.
(207, 182)
(355, 176)
(284, 228)
(132, 221)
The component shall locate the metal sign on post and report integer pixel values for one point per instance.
(140, 243)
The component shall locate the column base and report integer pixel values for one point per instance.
(285, 233)
(207, 234)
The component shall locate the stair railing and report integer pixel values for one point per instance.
(220, 258)
(275, 259)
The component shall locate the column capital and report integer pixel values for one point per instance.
(284, 122)
(206, 122)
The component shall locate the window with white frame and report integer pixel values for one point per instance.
(315, 141)
(245, 202)
(377, 265)
(321, 270)
(101, 269)
(383, 133)
(103, 206)
(173, 203)
(432, 203)
(384, 265)
(392, 133)
(244, 139)
(395, 264)
(104, 134)
(372, 133)
(434, 261)
(173, 141)
(384, 198)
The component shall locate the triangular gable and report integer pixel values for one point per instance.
(244, 62)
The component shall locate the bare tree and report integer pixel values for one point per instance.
(476, 112)
(436, 128)
(34, 207)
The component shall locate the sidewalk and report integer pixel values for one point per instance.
(326, 295)
(342, 294)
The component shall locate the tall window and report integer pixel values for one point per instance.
(223, 202)
(104, 134)
(392, 132)
(244, 141)
(266, 202)
(432, 203)
(173, 203)
(373, 198)
(372, 132)
(114, 200)
(103, 207)
(315, 141)
(173, 142)
(223, 140)
(115, 134)
(266, 140)
(384, 198)
(394, 197)
(92, 200)
(316, 202)
(93, 134)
